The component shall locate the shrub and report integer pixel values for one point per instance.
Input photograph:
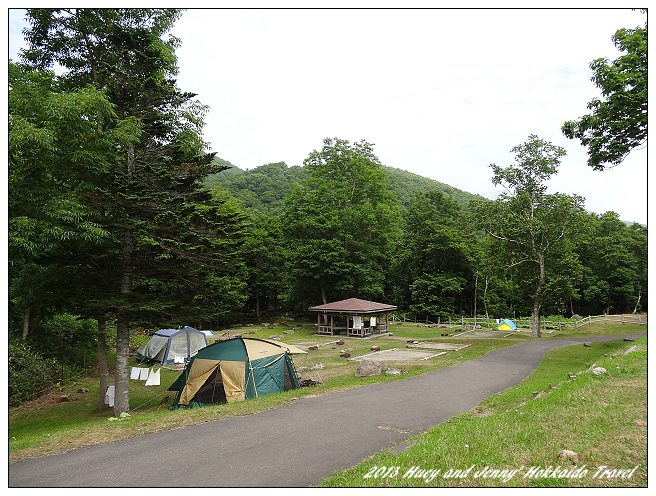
(29, 372)
(67, 338)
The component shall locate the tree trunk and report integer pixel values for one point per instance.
(103, 367)
(26, 323)
(487, 315)
(122, 374)
(475, 291)
(637, 302)
(536, 332)
(323, 298)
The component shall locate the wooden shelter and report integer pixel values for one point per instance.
(353, 317)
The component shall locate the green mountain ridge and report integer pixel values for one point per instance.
(264, 188)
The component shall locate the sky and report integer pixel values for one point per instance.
(442, 93)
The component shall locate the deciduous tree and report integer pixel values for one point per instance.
(618, 122)
(340, 223)
(435, 257)
(531, 225)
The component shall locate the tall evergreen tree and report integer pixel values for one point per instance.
(150, 200)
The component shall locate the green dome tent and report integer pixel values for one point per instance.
(234, 370)
(506, 325)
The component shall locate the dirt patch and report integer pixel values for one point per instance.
(629, 383)
(47, 400)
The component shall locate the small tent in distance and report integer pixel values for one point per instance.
(506, 325)
(173, 345)
(234, 370)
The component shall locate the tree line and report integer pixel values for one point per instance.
(112, 218)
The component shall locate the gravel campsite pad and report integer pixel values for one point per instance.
(439, 346)
(395, 355)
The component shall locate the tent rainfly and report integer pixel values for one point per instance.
(234, 370)
(506, 325)
(173, 345)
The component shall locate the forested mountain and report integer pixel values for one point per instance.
(264, 188)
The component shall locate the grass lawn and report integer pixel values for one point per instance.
(48, 426)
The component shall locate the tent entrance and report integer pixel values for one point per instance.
(289, 382)
(224, 384)
(212, 391)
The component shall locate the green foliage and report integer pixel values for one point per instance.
(406, 185)
(614, 256)
(618, 123)
(115, 209)
(263, 189)
(266, 260)
(434, 258)
(29, 372)
(67, 339)
(340, 224)
(54, 148)
(147, 195)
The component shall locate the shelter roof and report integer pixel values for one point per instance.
(353, 305)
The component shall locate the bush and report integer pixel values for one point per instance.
(67, 338)
(29, 372)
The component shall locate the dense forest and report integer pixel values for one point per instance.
(264, 193)
(120, 221)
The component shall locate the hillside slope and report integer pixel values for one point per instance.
(264, 188)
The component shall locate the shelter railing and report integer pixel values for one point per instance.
(351, 331)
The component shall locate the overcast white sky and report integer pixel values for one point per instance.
(441, 93)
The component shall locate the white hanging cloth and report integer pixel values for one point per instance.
(144, 374)
(134, 374)
(109, 395)
(153, 378)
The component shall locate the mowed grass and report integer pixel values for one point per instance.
(515, 434)
(47, 426)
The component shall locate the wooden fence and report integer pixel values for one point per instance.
(546, 325)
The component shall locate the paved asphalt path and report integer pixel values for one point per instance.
(296, 445)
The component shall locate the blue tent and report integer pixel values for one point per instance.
(506, 325)
(168, 344)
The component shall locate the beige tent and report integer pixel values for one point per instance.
(236, 369)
